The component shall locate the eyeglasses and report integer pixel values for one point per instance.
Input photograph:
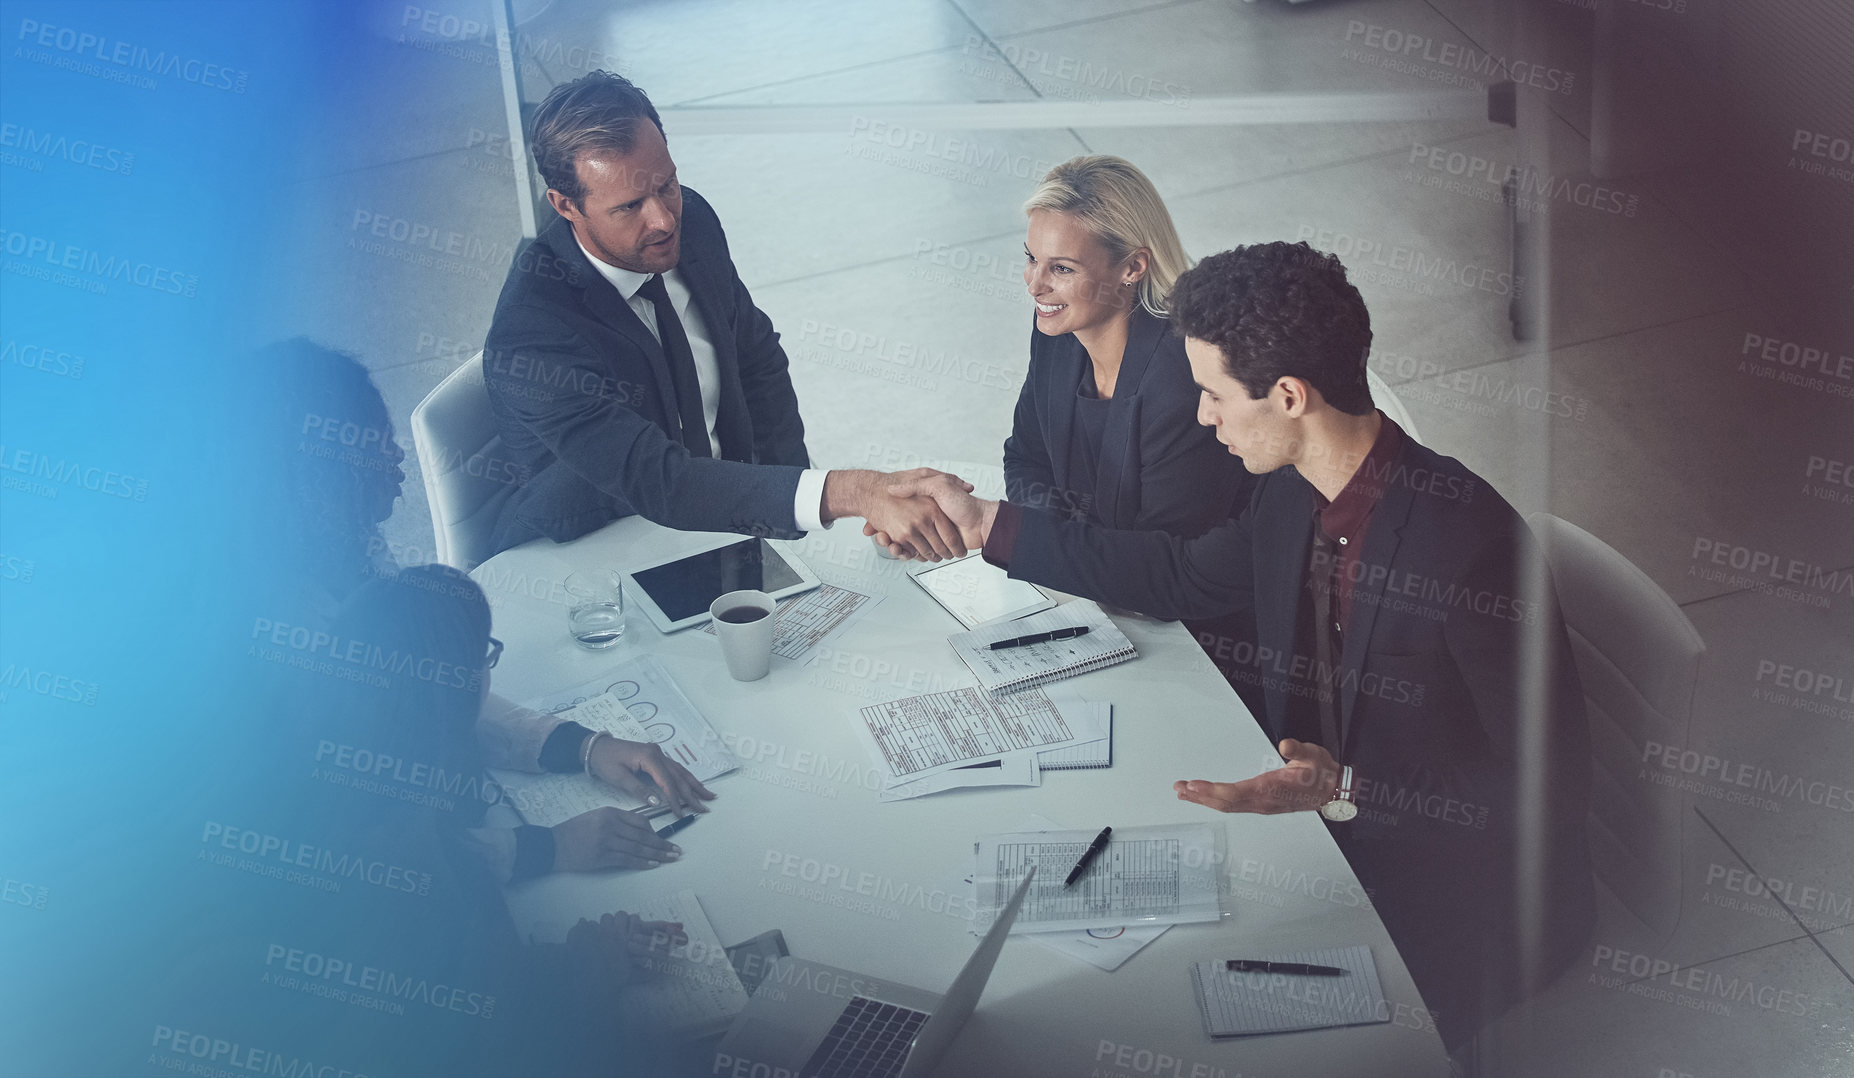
(495, 653)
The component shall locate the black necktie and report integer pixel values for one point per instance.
(682, 369)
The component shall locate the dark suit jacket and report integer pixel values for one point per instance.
(1156, 468)
(1436, 694)
(584, 398)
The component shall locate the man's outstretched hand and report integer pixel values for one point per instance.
(1307, 782)
(971, 516)
(919, 525)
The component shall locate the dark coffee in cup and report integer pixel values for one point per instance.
(741, 615)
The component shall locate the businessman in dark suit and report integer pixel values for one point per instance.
(630, 371)
(1415, 667)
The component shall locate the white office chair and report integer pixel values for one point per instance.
(1386, 399)
(458, 444)
(1638, 657)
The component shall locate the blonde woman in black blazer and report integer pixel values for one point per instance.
(1105, 429)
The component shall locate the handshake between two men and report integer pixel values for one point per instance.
(923, 513)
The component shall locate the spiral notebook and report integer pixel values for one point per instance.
(1242, 1004)
(1007, 671)
(1088, 754)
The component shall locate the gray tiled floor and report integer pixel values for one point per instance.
(1667, 441)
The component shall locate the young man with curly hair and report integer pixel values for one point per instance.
(1415, 668)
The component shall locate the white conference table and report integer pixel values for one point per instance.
(793, 833)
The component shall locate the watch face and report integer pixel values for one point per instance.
(1339, 811)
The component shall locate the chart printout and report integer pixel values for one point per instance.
(1145, 876)
(637, 701)
(919, 736)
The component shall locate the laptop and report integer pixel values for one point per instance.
(809, 1020)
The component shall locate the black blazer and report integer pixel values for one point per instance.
(588, 414)
(1156, 468)
(1434, 694)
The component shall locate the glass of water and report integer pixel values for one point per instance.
(595, 607)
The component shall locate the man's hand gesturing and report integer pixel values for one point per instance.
(1307, 782)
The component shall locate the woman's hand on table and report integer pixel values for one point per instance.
(609, 837)
(617, 944)
(628, 764)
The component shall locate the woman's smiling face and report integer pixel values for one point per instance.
(1070, 275)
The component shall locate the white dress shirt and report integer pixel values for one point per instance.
(808, 502)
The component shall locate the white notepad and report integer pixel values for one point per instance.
(977, 592)
(692, 989)
(1013, 669)
(1088, 755)
(1238, 1004)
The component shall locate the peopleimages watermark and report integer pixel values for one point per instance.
(1404, 267)
(1130, 1059)
(1398, 49)
(16, 569)
(73, 50)
(47, 683)
(1704, 990)
(425, 245)
(19, 893)
(25, 469)
(1302, 675)
(1790, 363)
(452, 350)
(1428, 597)
(1533, 190)
(1067, 76)
(1819, 153)
(89, 270)
(807, 770)
(1737, 781)
(189, 1051)
(965, 269)
(1767, 896)
(1826, 479)
(317, 867)
(366, 986)
(458, 37)
(870, 893)
(875, 679)
(1804, 689)
(340, 439)
(1472, 390)
(352, 658)
(914, 364)
(1283, 883)
(415, 781)
(28, 148)
(935, 153)
(862, 568)
(1738, 566)
(46, 359)
(537, 378)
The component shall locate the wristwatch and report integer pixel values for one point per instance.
(1341, 808)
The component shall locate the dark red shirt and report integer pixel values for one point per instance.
(1345, 520)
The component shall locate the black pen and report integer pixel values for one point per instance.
(1256, 965)
(671, 828)
(1042, 638)
(1088, 855)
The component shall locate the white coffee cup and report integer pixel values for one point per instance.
(745, 644)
